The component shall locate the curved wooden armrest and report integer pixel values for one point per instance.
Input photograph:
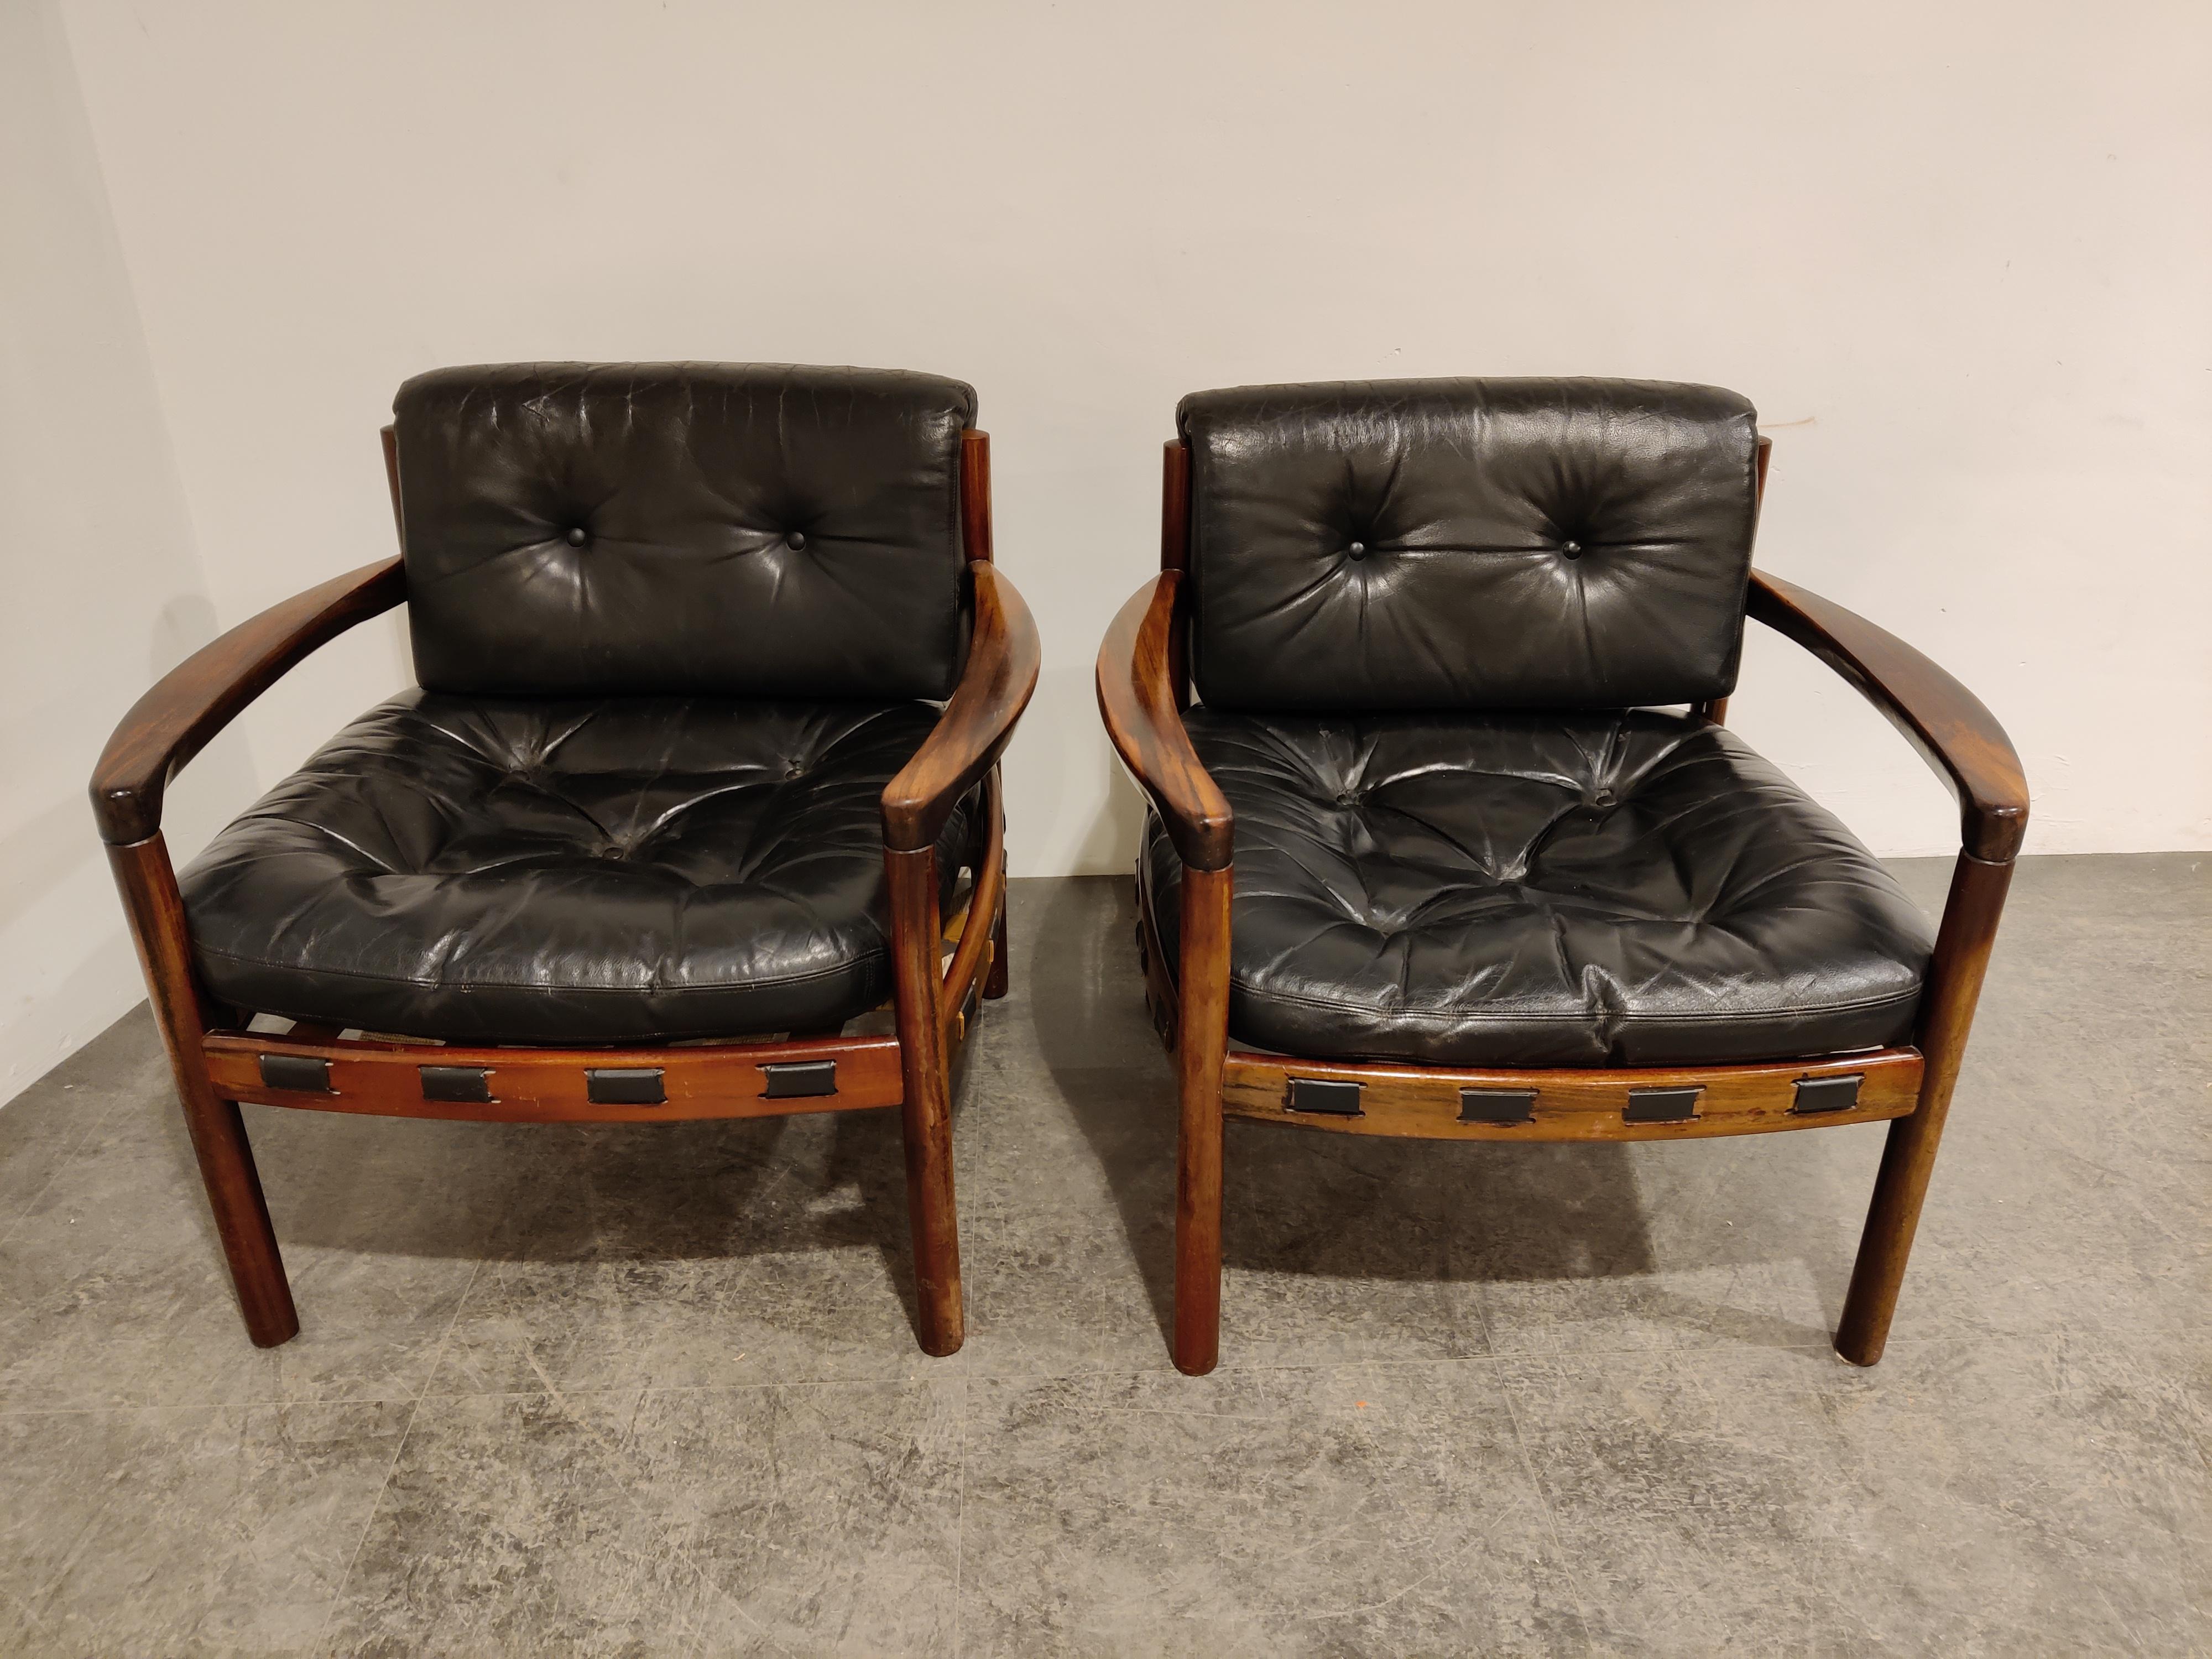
(1138, 704)
(199, 697)
(1947, 723)
(1003, 657)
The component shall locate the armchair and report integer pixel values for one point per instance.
(671, 808)
(1431, 857)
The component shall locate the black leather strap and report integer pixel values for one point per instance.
(1497, 1105)
(790, 1079)
(1661, 1105)
(1331, 1097)
(300, 1071)
(625, 1086)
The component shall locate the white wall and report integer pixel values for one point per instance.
(103, 589)
(1957, 255)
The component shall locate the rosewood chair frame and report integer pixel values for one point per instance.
(218, 1062)
(1143, 688)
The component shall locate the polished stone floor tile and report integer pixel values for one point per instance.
(214, 1530)
(377, 1258)
(820, 1518)
(48, 1124)
(2027, 1499)
(1383, 1508)
(1334, 1249)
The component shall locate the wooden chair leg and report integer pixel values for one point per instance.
(226, 1158)
(1202, 1038)
(927, 1113)
(1908, 1158)
(241, 1218)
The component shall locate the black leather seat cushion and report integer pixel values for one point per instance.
(730, 530)
(1542, 890)
(1469, 544)
(509, 871)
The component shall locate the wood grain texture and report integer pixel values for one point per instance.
(1175, 555)
(1423, 1102)
(550, 1086)
(926, 1064)
(1946, 722)
(1202, 1027)
(987, 904)
(1963, 945)
(976, 495)
(156, 915)
(1144, 719)
(178, 716)
(996, 687)
(1175, 506)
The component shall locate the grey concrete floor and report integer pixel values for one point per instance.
(655, 1390)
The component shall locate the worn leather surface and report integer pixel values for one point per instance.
(568, 872)
(694, 529)
(1523, 889)
(1470, 544)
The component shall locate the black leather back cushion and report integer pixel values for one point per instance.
(708, 529)
(1468, 543)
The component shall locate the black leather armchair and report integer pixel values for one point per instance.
(676, 772)
(1455, 841)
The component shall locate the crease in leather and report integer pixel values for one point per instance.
(531, 870)
(1456, 1012)
(689, 480)
(612, 987)
(1464, 492)
(1483, 899)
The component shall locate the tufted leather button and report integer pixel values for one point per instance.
(796, 541)
(1570, 549)
(697, 471)
(635, 891)
(1358, 550)
(1509, 917)
(577, 535)
(1347, 798)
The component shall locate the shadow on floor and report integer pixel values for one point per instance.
(545, 1193)
(1343, 1207)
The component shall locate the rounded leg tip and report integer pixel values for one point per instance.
(942, 1339)
(1861, 1353)
(1195, 1360)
